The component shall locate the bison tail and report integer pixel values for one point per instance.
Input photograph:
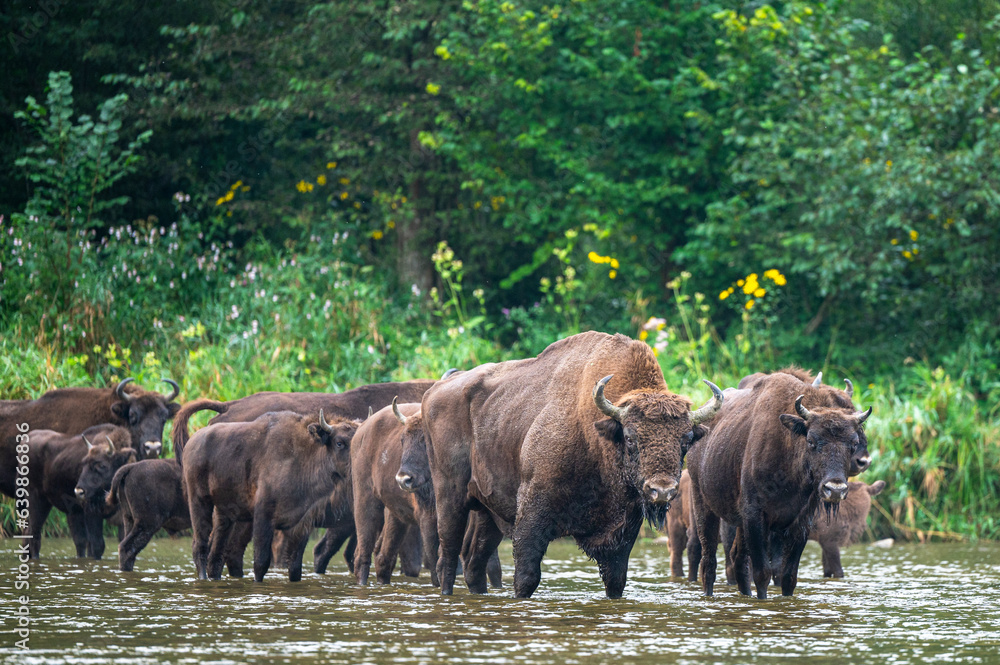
(180, 434)
(111, 500)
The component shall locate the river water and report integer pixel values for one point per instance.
(908, 604)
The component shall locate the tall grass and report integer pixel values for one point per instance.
(302, 323)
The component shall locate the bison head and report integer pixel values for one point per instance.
(144, 414)
(105, 455)
(414, 473)
(653, 431)
(832, 436)
(336, 438)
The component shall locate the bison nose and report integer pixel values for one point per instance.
(79, 493)
(834, 491)
(660, 493)
(153, 448)
(863, 463)
(405, 481)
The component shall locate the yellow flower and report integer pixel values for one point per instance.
(304, 186)
(391, 224)
(894, 241)
(613, 274)
(749, 304)
(740, 282)
(343, 196)
(594, 257)
(614, 263)
(750, 287)
(914, 235)
(888, 164)
(433, 88)
(357, 205)
(331, 165)
(907, 254)
(477, 205)
(403, 199)
(344, 181)
(237, 185)
(442, 52)
(643, 334)
(759, 293)
(321, 179)
(377, 235)
(724, 295)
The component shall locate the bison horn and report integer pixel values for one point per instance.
(177, 389)
(395, 411)
(606, 407)
(850, 388)
(449, 372)
(708, 411)
(818, 381)
(801, 410)
(862, 416)
(370, 411)
(111, 445)
(322, 422)
(87, 441)
(120, 390)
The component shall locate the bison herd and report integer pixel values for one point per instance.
(584, 440)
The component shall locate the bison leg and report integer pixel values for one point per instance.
(708, 534)
(263, 534)
(755, 541)
(201, 529)
(531, 539)
(137, 537)
(741, 569)
(369, 516)
(239, 538)
(613, 564)
(831, 560)
(677, 539)
(430, 542)
(728, 542)
(693, 549)
(451, 521)
(411, 552)
(790, 564)
(222, 528)
(328, 545)
(483, 538)
(38, 511)
(94, 523)
(392, 539)
(78, 530)
(296, 549)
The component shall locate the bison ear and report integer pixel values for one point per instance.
(794, 424)
(317, 433)
(120, 409)
(610, 429)
(698, 431)
(876, 487)
(125, 456)
(172, 409)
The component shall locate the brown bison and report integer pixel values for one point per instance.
(381, 504)
(524, 443)
(354, 404)
(860, 460)
(845, 529)
(55, 462)
(772, 457)
(73, 410)
(149, 495)
(277, 472)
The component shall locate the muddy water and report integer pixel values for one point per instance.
(909, 604)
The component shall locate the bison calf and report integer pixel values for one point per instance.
(845, 528)
(274, 471)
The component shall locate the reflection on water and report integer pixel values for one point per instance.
(909, 604)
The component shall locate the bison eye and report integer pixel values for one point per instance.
(340, 444)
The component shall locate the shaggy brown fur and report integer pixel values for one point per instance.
(765, 470)
(277, 471)
(72, 410)
(523, 442)
(846, 528)
(55, 462)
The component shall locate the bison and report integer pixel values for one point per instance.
(276, 471)
(355, 404)
(55, 462)
(73, 410)
(524, 443)
(149, 495)
(846, 528)
(772, 457)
